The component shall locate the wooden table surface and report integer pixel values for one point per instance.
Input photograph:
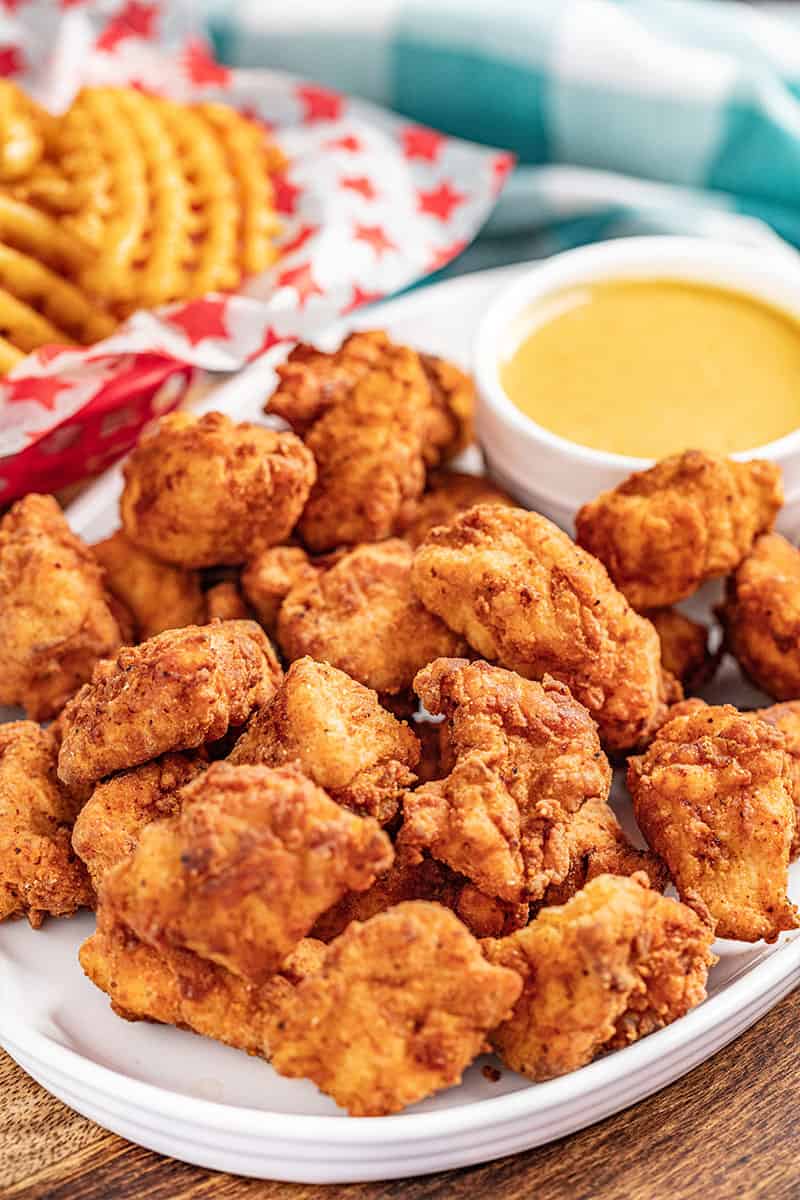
(729, 1129)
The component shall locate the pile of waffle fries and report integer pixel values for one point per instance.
(126, 201)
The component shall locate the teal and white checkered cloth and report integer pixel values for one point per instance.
(628, 116)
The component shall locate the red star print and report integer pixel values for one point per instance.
(11, 6)
(361, 297)
(270, 339)
(360, 184)
(443, 254)
(419, 142)
(134, 20)
(140, 86)
(11, 60)
(33, 390)
(375, 237)
(286, 194)
(46, 354)
(252, 114)
(71, 3)
(349, 143)
(301, 279)
(440, 202)
(300, 238)
(502, 166)
(319, 103)
(201, 67)
(201, 319)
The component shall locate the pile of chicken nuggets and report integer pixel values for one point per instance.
(324, 733)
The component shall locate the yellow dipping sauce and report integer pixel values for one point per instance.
(655, 366)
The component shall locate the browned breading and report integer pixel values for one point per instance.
(177, 691)
(523, 594)
(270, 576)
(684, 648)
(201, 491)
(337, 733)
(689, 518)
(224, 602)
(713, 796)
(361, 616)
(158, 596)
(241, 873)
(449, 415)
(786, 718)
(522, 759)
(39, 873)
(398, 1009)
(56, 617)
(615, 963)
(108, 826)
(448, 493)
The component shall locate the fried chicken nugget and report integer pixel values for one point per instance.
(398, 1010)
(684, 648)
(523, 594)
(361, 615)
(176, 691)
(108, 826)
(158, 596)
(447, 494)
(761, 616)
(338, 734)
(225, 602)
(786, 718)
(270, 576)
(203, 491)
(713, 797)
(39, 873)
(239, 876)
(56, 618)
(689, 518)
(614, 963)
(374, 415)
(523, 757)
(176, 987)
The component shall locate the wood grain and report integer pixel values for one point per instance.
(729, 1129)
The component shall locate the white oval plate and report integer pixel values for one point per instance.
(202, 1102)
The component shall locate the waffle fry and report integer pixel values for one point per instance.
(21, 136)
(25, 228)
(25, 328)
(56, 299)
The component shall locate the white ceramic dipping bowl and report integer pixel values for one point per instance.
(554, 476)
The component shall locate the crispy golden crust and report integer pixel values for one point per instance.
(361, 616)
(786, 718)
(523, 594)
(447, 494)
(684, 648)
(615, 963)
(336, 732)
(224, 602)
(55, 615)
(39, 874)
(270, 576)
(522, 759)
(157, 595)
(201, 491)
(449, 415)
(713, 797)
(108, 826)
(244, 869)
(761, 616)
(176, 987)
(176, 691)
(399, 1008)
(689, 518)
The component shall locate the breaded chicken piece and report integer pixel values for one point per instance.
(598, 846)
(689, 518)
(361, 616)
(615, 963)
(157, 595)
(398, 1010)
(684, 648)
(337, 733)
(56, 617)
(253, 857)
(374, 415)
(522, 759)
(202, 491)
(108, 826)
(713, 797)
(39, 873)
(224, 602)
(270, 576)
(786, 718)
(177, 691)
(176, 987)
(448, 493)
(761, 616)
(522, 593)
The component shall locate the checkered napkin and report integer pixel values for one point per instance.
(628, 116)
